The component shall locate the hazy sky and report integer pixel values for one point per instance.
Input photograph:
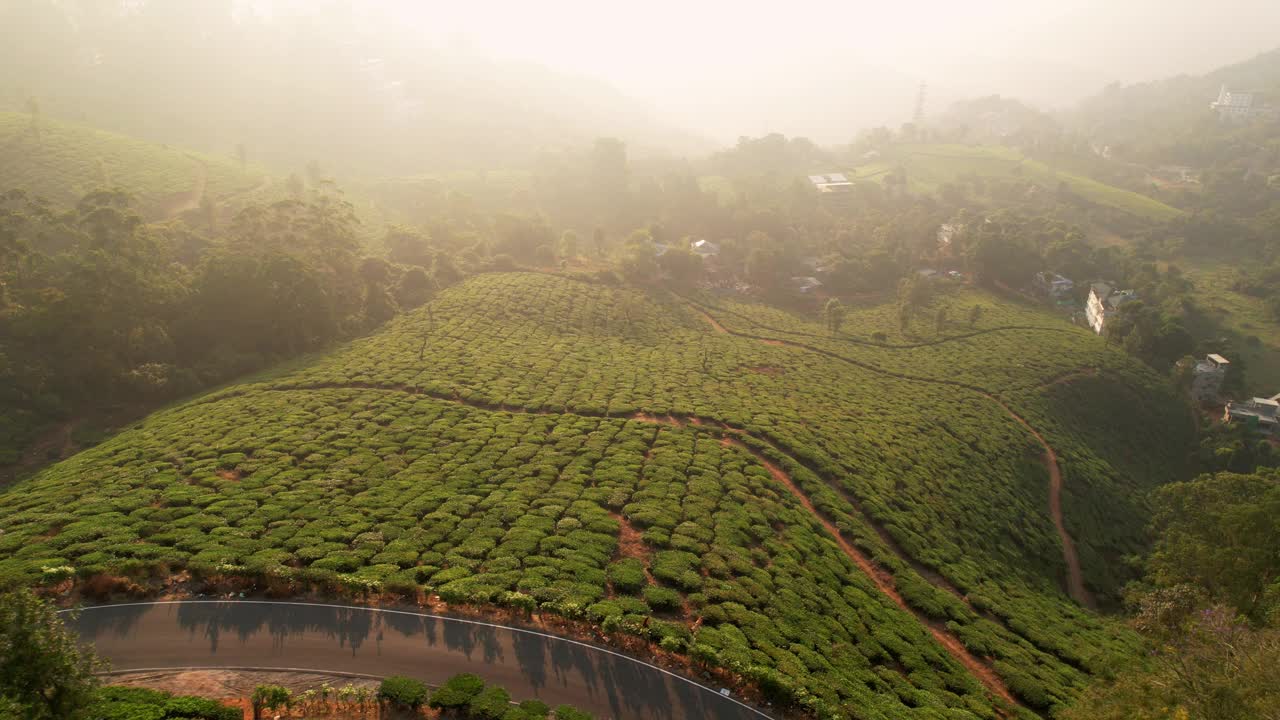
(726, 67)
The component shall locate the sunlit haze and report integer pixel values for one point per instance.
(728, 68)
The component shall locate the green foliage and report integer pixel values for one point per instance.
(67, 161)
(1219, 532)
(457, 692)
(501, 463)
(271, 697)
(126, 703)
(930, 167)
(403, 691)
(627, 575)
(490, 703)
(43, 669)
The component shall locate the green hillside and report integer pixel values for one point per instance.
(63, 161)
(857, 524)
(930, 166)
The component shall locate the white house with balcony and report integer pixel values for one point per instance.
(1104, 301)
(1241, 105)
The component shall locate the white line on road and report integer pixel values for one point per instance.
(442, 618)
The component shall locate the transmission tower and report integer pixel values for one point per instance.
(918, 117)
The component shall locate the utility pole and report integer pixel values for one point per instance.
(918, 117)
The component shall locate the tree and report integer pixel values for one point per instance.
(43, 669)
(683, 266)
(834, 312)
(940, 320)
(269, 697)
(569, 244)
(407, 246)
(638, 264)
(766, 268)
(456, 692)
(403, 692)
(1208, 607)
(1220, 532)
(33, 109)
(975, 314)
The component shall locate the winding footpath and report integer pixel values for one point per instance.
(584, 691)
(378, 642)
(1075, 576)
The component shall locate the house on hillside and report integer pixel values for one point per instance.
(1103, 301)
(1242, 105)
(1259, 414)
(1206, 379)
(1054, 285)
(947, 233)
(806, 285)
(831, 183)
(705, 248)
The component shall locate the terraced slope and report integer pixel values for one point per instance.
(861, 540)
(63, 162)
(929, 166)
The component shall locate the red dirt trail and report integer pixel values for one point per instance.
(884, 582)
(1075, 575)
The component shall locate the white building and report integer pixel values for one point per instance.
(1239, 105)
(806, 285)
(947, 233)
(705, 248)
(831, 183)
(1258, 413)
(1103, 301)
(1207, 378)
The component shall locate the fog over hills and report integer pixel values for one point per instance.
(369, 78)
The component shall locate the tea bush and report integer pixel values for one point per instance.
(496, 449)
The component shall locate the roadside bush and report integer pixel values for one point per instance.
(457, 692)
(490, 703)
(124, 703)
(403, 692)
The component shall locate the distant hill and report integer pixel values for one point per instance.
(1170, 120)
(929, 166)
(298, 88)
(63, 161)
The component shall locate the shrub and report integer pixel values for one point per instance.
(201, 708)
(403, 692)
(535, 708)
(270, 697)
(627, 575)
(456, 692)
(490, 703)
(568, 712)
(662, 598)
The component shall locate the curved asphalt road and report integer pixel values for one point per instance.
(381, 642)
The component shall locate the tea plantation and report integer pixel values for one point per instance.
(600, 453)
(63, 161)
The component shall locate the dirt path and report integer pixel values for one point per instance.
(630, 545)
(191, 200)
(885, 584)
(1075, 575)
